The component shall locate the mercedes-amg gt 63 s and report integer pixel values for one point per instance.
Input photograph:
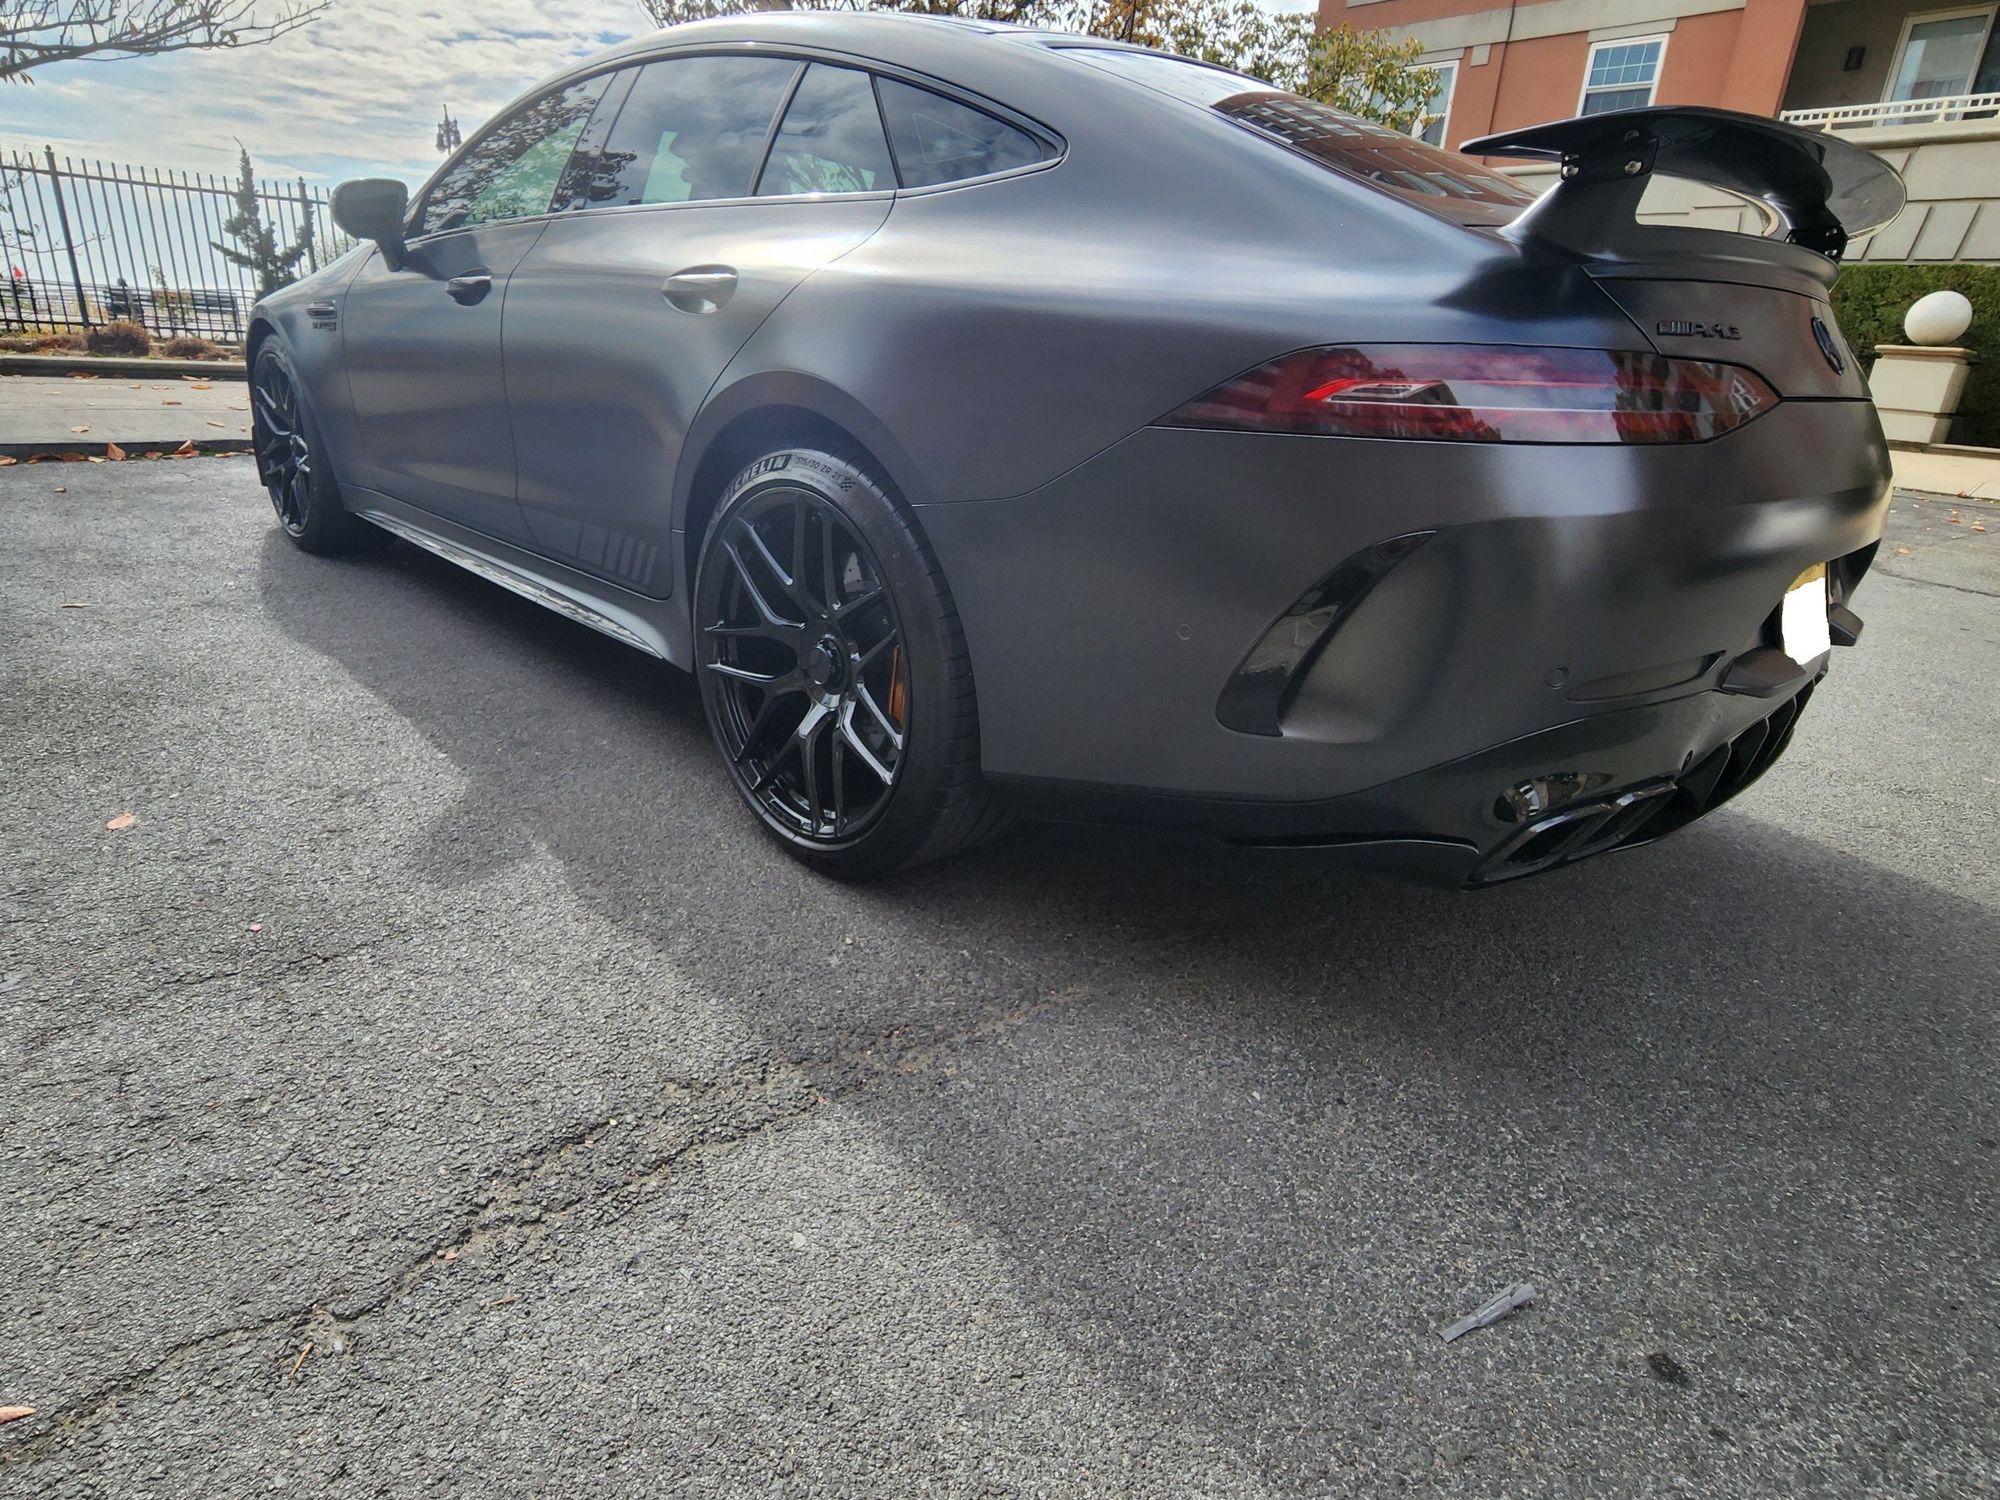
(1000, 421)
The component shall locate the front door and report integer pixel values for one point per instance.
(422, 341)
(628, 309)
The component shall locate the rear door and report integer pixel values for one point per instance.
(675, 243)
(422, 342)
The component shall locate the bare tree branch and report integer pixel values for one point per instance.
(36, 33)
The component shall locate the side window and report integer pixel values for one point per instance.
(940, 140)
(693, 128)
(511, 170)
(831, 141)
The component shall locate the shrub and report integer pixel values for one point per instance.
(59, 343)
(120, 336)
(1870, 302)
(187, 346)
(20, 343)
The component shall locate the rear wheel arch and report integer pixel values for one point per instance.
(767, 416)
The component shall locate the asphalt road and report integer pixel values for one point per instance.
(442, 1011)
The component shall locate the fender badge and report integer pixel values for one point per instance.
(1829, 346)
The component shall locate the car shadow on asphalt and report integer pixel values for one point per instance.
(1215, 1078)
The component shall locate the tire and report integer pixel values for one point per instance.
(834, 672)
(292, 461)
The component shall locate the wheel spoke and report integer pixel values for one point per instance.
(860, 748)
(839, 758)
(809, 766)
(775, 764)
(868, 656)
(744, 674)
(764, 718)
(855, 606)
(757, 600)
(862, 695)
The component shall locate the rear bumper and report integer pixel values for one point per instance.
(1612, 781)
(1564, 599)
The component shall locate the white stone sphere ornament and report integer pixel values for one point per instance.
(1939, 318)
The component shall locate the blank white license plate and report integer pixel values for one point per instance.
(1802, 623)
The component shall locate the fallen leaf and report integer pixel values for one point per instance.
(196, 385)
(7, 459)
(1902, 552)
(62, 489)
(14, 1413)
(170, 403)
(447, 1255)
(213, 423)
(84, 428)
(81, 375)
(1978, 525)
(186, 450)
(1954, 520)
(115, 453)
(120, 823)
(72, 604)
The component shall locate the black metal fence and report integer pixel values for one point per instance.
(88, 241)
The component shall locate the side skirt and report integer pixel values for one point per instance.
(655, 626)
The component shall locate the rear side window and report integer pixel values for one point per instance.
(512, 170)
(831, 141)
(693, 128)
(1448, 183)
(939, 140)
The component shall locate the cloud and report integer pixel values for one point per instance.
(359, 90)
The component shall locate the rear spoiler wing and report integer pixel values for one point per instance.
(1826, 190)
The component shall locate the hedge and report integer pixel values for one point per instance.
(1869, 302)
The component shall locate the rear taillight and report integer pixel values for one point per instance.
(1463, 393)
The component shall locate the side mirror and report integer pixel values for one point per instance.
(373, 208)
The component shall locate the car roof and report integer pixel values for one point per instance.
(916, 41)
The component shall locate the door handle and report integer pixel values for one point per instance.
(470, 287)
(700, 289)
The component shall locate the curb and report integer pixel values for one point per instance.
(73, 452)
(107, 364)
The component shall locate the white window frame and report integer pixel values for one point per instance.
(1449, 66)
(1590, 61)
(1912, 22)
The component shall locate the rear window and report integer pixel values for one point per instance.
(1442, 181)
(939, 140)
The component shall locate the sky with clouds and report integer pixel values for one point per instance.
(356, 93)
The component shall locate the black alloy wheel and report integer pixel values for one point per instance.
(294, 471)
(284, 457)
(833, 670)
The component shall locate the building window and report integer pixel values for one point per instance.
(1621, 74)
(1940, 54)
(1429, 126)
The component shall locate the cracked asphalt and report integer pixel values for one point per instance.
(442, 1087)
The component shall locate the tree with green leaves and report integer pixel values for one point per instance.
(256, 249)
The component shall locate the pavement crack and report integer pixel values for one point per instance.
(613, 1160)
(1932, 583)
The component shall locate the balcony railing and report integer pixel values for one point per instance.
(1897, 112)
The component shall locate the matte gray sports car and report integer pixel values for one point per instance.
(1004, 420)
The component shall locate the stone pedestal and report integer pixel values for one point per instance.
(1916, 390)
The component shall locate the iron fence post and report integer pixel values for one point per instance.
(69, 240)
(308, 227)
